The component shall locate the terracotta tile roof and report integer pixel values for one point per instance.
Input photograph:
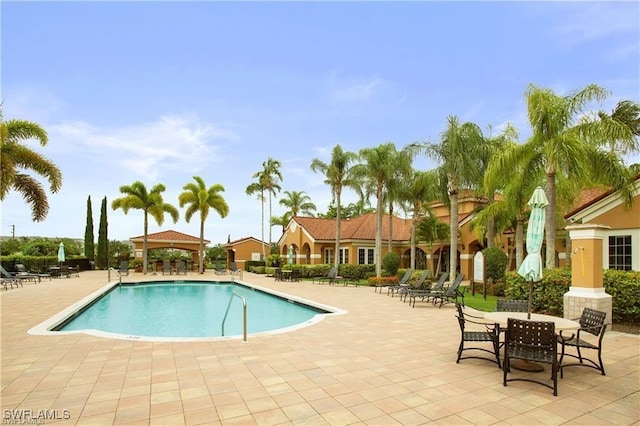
(242, 240)
(359, 228)
(590, 196)
(170, 235)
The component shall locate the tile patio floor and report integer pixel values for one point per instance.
(382, 363)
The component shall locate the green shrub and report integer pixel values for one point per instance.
(496, 263)
(624, 288)
(257, 269)
(391, 262)
(548, 294)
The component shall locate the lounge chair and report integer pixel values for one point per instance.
(22, 271)
(10, 279)
(219, 269)
(451, 294)
(427, 293)
(124, 267)
(182, 268)
(331, 275)
(438, 292)
(403, 283)
(234, 269)
(417, 286)
(166, 267)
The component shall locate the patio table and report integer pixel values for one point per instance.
(502, 318)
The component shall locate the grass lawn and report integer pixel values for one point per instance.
(478, 301)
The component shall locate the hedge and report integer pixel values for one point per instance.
(548, 294)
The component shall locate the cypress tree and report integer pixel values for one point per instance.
(103, 243)
(89, 245)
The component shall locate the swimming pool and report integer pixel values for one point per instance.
(184, 310)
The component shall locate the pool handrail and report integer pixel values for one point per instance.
(244, 316)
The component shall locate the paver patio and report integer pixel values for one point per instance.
(381, 363)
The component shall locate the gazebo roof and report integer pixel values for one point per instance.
(169, 236)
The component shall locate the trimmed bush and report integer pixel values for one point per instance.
(391, 262)
(496, 262)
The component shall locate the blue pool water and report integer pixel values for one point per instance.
(187, 309)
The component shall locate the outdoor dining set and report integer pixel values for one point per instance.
(529, 340)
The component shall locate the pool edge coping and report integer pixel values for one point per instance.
(45, 327)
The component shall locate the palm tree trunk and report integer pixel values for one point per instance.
(491, 232)
(519, 242)
(550, 220)
(264, 255)
(201, 249)
(338, 224)
(378, 248)
(413, 244)
(453, 250)
(144, 244)
(270, 216)
(390, 227)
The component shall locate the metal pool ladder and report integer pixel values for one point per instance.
(244, 316)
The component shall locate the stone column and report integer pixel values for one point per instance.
(587, 287)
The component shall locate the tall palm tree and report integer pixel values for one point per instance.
(421, 189)
(397, 186)
(258, 188)
(376, 171)
(201, 200)
(281, 220)
(338, 175)
(459, 153)
(270, 178)
(298, 202)
(565, 145)
(150, 202)
(16, 158)
(516, 188)
(493, 145)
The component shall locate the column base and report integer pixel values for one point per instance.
(578, 298)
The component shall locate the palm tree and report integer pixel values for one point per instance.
(421, 190)
(15, 158)
(492, 146)
(338, 175)
(270, 177)
(258, 188)
(298, 202)
(625, 117)
(564, 145)
(430, 229)
(281, 220)
(376, 172)
(150, 202)
(459, 153)
(201, 200)
(397, 185)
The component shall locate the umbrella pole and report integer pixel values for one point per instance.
(530, 299)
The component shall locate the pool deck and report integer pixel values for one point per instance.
(381, 363)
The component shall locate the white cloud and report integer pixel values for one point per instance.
(171, 142)
(583, 22)
(354, 90)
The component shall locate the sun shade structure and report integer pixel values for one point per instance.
(531, 268)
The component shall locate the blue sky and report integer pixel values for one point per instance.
(163, 91)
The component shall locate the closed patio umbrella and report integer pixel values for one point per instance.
(290, 255)
(61, 253)
(531, 268)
